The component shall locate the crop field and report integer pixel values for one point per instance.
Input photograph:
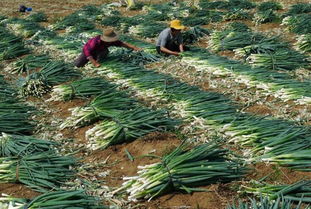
(225, 125)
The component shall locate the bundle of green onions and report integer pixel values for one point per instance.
(304, 43)
(6, 91)
(107, 105)
(37, 17)
(34, 85)
(19, 145)
(226, 40)
(183, 169)
(267, 45)
(53, 73)
(239, 14)
(237, 26)
(75, 20)
(298, 192)
(280, 60)
(77, 199)
(16, 123)
(265, 17)
(273, 5)
(195, 33)
(11, 106)
(114, 21)
(41, 172)
(240, 4)
(299, 8)
(300, 24)
(80, 89)
(83, 25)
(90, 10)
(128, 126)
(23, 27)
(30, 62)
(149, 30)
(206, 4)
(265, 203)
(12, 48)
(138, 57)
(195, 21)
(156, 15)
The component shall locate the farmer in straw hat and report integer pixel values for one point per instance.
(170, 40)
(96, 48)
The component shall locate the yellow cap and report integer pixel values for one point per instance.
(176, 24)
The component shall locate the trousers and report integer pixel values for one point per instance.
(82, 60)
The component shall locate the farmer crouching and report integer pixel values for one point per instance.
(96, 49)
(170, 41)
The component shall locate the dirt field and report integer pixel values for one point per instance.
(118, 163)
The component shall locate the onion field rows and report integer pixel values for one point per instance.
(79, 137)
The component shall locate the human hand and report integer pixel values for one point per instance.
(96, 64)
(138, 49)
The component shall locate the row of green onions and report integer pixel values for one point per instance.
(53, 73)
(77, 199)
(128, 126)
(80, 89)
(265, 203)
(183, 169)
(298, 192)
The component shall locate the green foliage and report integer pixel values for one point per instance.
(193, 34)
(238, 27)
(37, 17)
(79, 23)
(147, 30)
(194, 21)
(112, 21)
(300, 24)
(299, 8)
(90, 10)
(238, 14)
(273, 5)
(265, 17)
(265, 203)
(228, 5)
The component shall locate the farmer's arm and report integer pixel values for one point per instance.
(180, 42)
(130, 46)
(181, 48)
(167, 51)
(93, 61)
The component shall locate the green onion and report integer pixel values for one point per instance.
(39, 83)
(18, 145)
(107, 105)
(304, 43)
(280, 60)
(77, 199)
(182, 170)
(37, 17)
(265, 203)
(273, 5)
(30, 62)
(40, 172)
(80, 89)
(298, 192)
(128, 126)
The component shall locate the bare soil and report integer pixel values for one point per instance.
(156, 143)
(17, 190)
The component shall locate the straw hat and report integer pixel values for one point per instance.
(109, 35)
(176, 24)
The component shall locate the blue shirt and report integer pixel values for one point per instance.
(166, 37)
